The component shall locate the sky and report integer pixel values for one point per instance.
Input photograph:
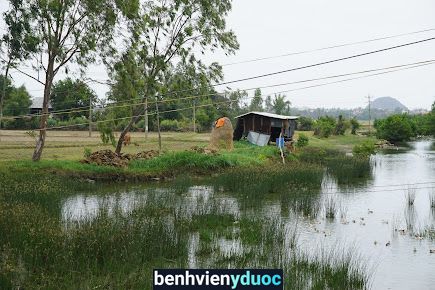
(277, 27)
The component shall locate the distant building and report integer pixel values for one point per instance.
(36, 106)
(272, 125)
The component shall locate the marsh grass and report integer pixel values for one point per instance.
(331, 207)
(410, 196)
(117, 249)
(432, 198)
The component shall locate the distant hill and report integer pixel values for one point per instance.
(388, 104)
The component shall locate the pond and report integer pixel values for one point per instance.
(383, 221)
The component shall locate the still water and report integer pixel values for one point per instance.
(373, 217)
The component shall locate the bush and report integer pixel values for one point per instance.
(354, 125)
(305, 124)
(324, 126)
(87, 152)
(169, 125)
(395, 128)
(341, 126)
(302, 141)
(364, 150)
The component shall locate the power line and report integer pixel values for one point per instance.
(327, 47)
(85, 108)
(230, 101)
(326, 62)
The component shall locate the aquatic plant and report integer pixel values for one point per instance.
(410, 196)
(432, 199)
(331, 207)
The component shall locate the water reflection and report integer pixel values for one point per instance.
(370, 216)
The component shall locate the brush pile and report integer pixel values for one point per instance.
(205, 151)
(110, 158)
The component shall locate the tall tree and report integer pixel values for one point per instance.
(69, 94)
(16, 44)
(70, 32)
(280, 105)
(170, 33)
(257, 101)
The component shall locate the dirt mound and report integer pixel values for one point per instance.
(110, 158)
(201, 150)
(146, 154)
(107, 157)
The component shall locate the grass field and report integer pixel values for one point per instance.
(70, 145)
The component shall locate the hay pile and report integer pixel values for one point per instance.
(222, 135)
(110, 158)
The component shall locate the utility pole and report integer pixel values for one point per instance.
(194, 116)
(90, 115)
(158, 125)
(370, 115)
(146, 119)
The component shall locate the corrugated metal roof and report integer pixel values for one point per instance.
(37, 103)
(270, 115)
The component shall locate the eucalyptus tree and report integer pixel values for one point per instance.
(72, 31)
(280, 105)
(171, 33)
(16, 44)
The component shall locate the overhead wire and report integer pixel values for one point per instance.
(327, 47)
(86, 108)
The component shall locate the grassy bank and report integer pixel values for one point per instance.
(177, 159)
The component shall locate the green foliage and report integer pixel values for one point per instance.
(302, 141)
(256, 102)
(106, 133)
(364, 150)
(305, 123)
(354, 125)
(87, 152)
(395, 128)
(341, 126)
(324, 126)
(71, 94)
(280, 105)
(18, 102)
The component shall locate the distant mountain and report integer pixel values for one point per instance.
(388, 104)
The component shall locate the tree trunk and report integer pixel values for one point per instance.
(3, 96)
(124, 132)
(49, 76)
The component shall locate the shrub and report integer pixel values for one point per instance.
(364, 150)
(302, 141)
(354, 125)
(87, 152)
(341, 126)
(169, 125)
(305, 124)
(324, 126)
(395, 128)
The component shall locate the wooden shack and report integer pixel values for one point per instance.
(265, 123)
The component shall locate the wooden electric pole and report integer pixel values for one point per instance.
(158, 124)
(370, 115)
(90, 116)
(146, 119)
(194, 116)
